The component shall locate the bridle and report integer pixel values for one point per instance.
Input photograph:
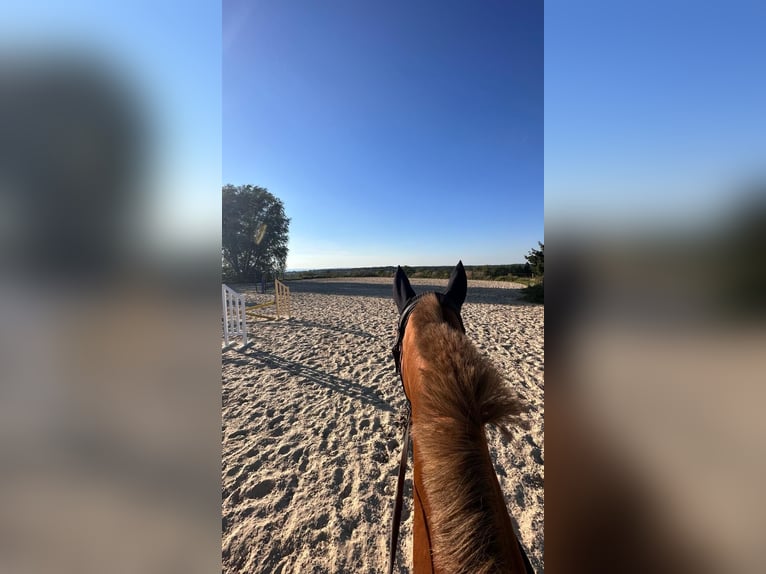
(444, 301)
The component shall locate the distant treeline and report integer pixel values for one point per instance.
(511, 272)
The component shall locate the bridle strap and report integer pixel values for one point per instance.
(397, 519)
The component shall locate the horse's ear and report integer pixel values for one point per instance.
(402, 290)
(458, 285)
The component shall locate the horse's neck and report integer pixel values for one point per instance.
(454, 391)
(462, 499)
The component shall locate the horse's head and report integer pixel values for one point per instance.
(450, 302)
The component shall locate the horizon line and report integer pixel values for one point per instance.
(300, 269)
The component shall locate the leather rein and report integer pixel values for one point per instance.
(444, 301)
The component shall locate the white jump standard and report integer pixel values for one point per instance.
(234, 317)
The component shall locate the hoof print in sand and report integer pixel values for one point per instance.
(261, 489)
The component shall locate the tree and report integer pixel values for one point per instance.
(536, 264)
(254, 238)
(535, 260)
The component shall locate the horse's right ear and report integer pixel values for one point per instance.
(457, 287)
(403, 291)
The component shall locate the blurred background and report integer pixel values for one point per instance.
(655, 190)
(110, 163)
(110, 171)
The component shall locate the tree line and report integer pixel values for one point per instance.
(507, 272)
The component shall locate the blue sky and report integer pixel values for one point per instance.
(394, 132)
(654, 112)
(412, 132)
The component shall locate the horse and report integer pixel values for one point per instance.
(460, 520)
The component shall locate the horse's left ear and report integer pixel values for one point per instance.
(403, 291)
(458, 285)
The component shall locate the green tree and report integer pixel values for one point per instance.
(254, 238)
(535, 259)
(536, 264)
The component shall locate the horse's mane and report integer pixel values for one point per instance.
(462, 391)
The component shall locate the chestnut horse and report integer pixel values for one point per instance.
(460, 522)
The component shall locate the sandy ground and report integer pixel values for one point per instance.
(312, 420)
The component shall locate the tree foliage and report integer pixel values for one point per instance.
(536, 262)
(535, 259)
(254, 239)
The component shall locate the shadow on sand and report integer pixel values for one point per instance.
(326, 327)
(318, 377)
